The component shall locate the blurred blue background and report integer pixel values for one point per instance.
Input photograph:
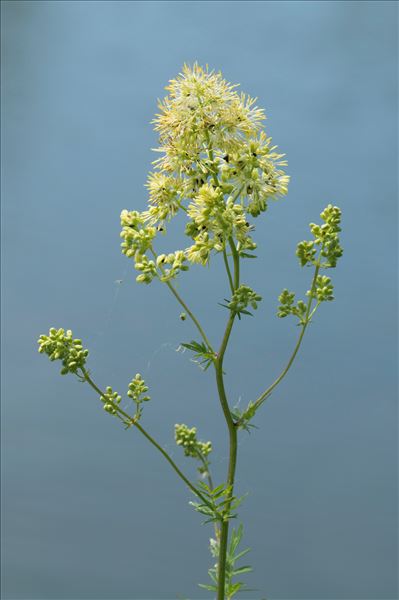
(91, 511)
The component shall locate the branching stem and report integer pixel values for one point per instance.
(304, 326)
(184, 305)
(129, 420)
(226, 264)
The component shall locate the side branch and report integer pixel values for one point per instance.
(129, 420)
(304, 326)
(226, 264)
(184, 305)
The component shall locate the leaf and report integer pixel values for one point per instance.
(241, 554)
(236, 537)
(224, 305)
(247, 255)
(240, 570)
(202, 508)
(236, 503)
(211, 588)
(235, 587)
(203, 356)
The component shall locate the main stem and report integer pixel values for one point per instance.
(232, 429)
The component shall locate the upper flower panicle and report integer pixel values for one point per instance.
(216, 164)
(201, 102)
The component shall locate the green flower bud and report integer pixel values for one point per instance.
(137, 391)
(187, 438)
(60, 345)
(243, 297)
(306, 252)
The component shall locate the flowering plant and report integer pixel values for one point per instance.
(218, 166)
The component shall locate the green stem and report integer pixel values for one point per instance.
(232, 429)
(226, 264)
(205, 464)
(305, 324)
(184, 305)
(236, 259)
(132, 421)
(190, 314)
(211, 158)
(224, 529)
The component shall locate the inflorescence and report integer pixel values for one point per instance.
(60, 345)
(322, 252)
(187, 438)
(217, 165)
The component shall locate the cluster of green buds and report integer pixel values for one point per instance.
(137, 240)
(60, 345)
(110, 399)
(136, 234)
(187, 438)
(243, 297)
(137, 390)
(217, 165)
(176, 260)
(323, 289)
(326, 239)
(322, 252)
(288, 306)
(147, 268)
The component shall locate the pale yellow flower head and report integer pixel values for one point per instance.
(216, 164)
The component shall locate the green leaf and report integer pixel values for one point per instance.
(236, 537)
(211, 588)
(241, 554)
(240, 570)
(203, 356)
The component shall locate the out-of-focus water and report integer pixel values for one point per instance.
(92, 511)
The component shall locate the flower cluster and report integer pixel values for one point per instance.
(253, 169)
(244, 296)
(217, 165)
(165, 196)
(110, 398)
(60, 345)
(187, 438)
(176, 260)
(138, 392)
(136, 235)
(322, 252)
(214, 221)
(137, 240)
(146, 267)
(323, 289)
(287, 306)
(326, 239)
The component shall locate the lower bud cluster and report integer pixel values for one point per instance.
(187, 438)
(60, 345)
